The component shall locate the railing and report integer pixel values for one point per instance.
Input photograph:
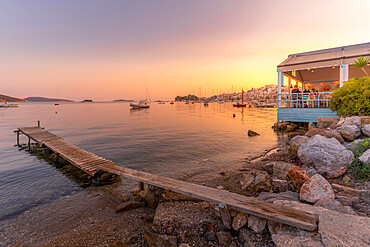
(304, 100)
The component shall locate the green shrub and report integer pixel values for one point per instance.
(353, 98)
(357, 168)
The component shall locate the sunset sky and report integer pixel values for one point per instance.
(105, 50)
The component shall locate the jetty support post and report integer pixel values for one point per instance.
(38, 124)
(225, 215)
(17, 131)
(29, 144)
(141, 186)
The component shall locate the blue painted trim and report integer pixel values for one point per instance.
(304, 114)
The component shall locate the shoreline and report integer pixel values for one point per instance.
(89, 217)
(58, 222)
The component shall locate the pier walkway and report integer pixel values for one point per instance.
(91, 163)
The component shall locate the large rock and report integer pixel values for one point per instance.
(311, 126)
(239, 220)
(149, 197)
(310, 170)
(256, 181)
(333, 205)
(295, 143)
(326, 133)
(366, 130)
(271, 197)
(365, 120)
(296, 177)
(338, 229)
(347, 136)
(284, 235)
(365, 157)
(315, 189)
(256, 223)
(280, 169)
(327, 122)
(279, 185)
(328, 156)
(351, 125)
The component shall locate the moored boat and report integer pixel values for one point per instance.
(6, 105)
(242, 104)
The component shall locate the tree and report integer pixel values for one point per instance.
(361, 62)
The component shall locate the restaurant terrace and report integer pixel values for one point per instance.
(311, 78)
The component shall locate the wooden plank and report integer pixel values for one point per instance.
(250, 205)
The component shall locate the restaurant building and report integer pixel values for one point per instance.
(319, 73)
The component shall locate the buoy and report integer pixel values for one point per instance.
(56, 112)
(234, 115)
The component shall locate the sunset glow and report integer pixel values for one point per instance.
(105, 50)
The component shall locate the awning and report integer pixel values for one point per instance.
(325, 58)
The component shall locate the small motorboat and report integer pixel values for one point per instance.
(206, 104)
(141, 104)
(239, 105)
(161, 103)
(56, 104)
(172, 103)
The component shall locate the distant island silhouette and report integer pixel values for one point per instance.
(44, 99)
(123, 100)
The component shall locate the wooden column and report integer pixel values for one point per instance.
(29, 144)
(141, 186)
(17, 137)
(38, 124)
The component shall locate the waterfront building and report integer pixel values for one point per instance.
(323, 71)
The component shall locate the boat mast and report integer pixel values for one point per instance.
(242, 96)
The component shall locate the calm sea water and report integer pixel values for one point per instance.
(172, 140)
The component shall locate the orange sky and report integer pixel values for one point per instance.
(114, 50)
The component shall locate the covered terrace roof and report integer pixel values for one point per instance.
(324, 58)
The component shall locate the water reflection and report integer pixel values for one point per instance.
(172, 140)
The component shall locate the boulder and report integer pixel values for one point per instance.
(128, 205)
(149, 197)
(355, 120)
(311, 126)
(280, 169)
(347, 136)
(296, 177)
(365, 157)
(327, 122)
(338, 229)
(315, 189)
(284, 235)
(279, 185)
(271, 197)
(365, 120)
(366, 130)
(268, 167)
(252, 133)
(326, 133)
(295, 143)
(239, 220)
(256, 223)
(256, 181)
(333, 205)
(351, 125)
(328, 156)
(296, 133)
(224, 238)
(310, 170)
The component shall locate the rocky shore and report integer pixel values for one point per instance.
(310, 173)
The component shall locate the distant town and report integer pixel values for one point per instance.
(266, 94)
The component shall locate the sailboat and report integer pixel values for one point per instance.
(242, 104)
(6, 105)
(142, 103)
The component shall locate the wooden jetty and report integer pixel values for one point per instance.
(91, 163)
